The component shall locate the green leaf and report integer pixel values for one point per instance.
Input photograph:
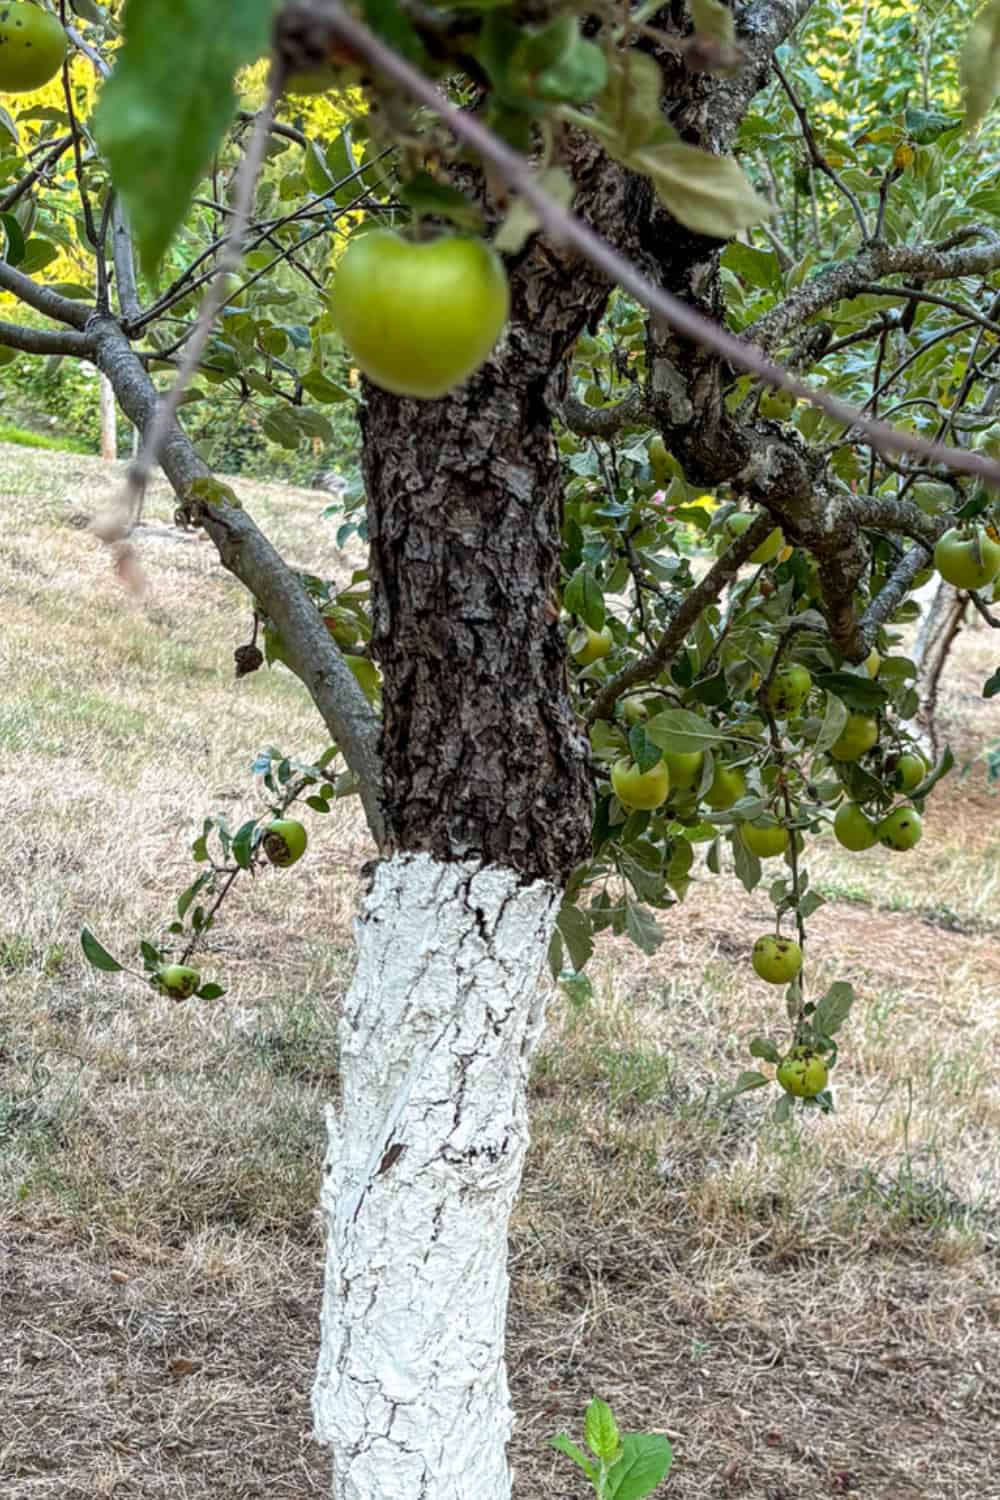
(642, 927)
(562, 1444)
(707, 194)
(185, 899)
(644, 1463)
(645, 753)
(210, 992)
(680, 731)
(88, 11)
(979, 68)
(576, 78)
(629, 108)
(583, 597)
(747, 865)
(37, 255)
(942, 768)
(783, 1109)
(14, 252)
(834, 1008)
(522, 220)
(577, 933)
(762, 1046)
(859, 692)
(747, 1081)
(555, 954)
(243, 844)
(321, 389)
(834, 719)
(925, 125)
(992, 685)
(164, 110)
(425, 195)
(96, 955)
(601, 1430)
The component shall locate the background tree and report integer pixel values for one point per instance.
(535, 489)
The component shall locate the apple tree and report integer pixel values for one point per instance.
(678, 329)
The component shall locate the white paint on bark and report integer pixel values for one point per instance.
(424, 1163)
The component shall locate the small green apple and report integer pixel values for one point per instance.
(764, 839)
(909, 771)
(284, 842)
(789, 691)
(728, 786)
(802, 1073)
(588, 646)
(901, 830)
(856, 738)
(853, 830)
(178, 981)
(776, 959)
(684, 767)
(640, 790)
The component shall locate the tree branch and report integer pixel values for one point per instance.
(605, 421)
(49, 303)
(723, 571)
(250, 557)
(44, 341)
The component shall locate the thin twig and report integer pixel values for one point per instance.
(816, 156)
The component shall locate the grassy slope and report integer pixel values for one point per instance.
(809, 1310)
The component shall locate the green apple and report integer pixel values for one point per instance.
(588, 646)
(419, 318)
(33, 47)
(909, 771)
(857, 737)
(176, 980)
(802, 1073)
(640, 790)
(728, 786)
(284, 841)
(684, 767)
(901, 830)
(776, 959)
(969, 561)
(789, 691)
(634, 710)
(764, 839)
(853, 830)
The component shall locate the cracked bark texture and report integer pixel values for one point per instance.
(423, 1166)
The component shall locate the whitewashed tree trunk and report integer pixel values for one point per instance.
(424, 1163)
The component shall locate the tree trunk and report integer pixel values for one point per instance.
(422, 1171)
(109, 418)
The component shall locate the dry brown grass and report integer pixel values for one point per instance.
(808, 1310)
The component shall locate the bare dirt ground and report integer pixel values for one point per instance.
(807, 1310)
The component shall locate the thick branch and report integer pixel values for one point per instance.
(44, 341)
(848, 277)
(605, 421)
(722, 572)
(247, 553)
(42, 299)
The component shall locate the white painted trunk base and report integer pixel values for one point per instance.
(423, 1166)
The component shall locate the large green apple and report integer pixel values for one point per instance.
(419, 318)
(32, 47)
(764, 839)
(684, 767)
(789, 691)
(728, 786)
(901, 830)
(589, 645)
